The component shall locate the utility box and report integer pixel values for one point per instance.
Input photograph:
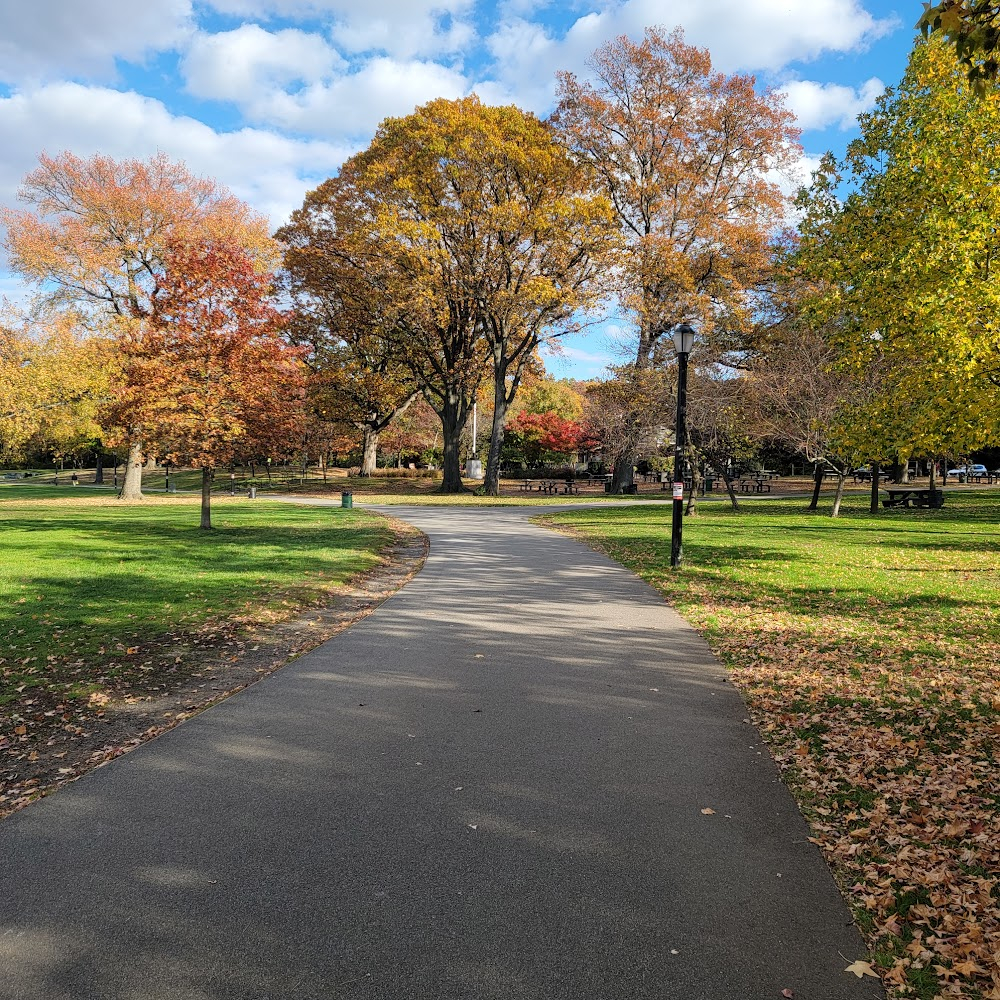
(474, 469)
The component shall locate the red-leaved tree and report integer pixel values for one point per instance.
(211, 374)
(545, 436)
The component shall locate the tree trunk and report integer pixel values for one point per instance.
(132, 483)
(369, 450)
(841, 479)
(873, 507)
(207, 475)
(491, 480)
(730, 489)
(99, 470)
(621, 475)
(932, 473)
(692, 499)
(453, 416)
(817, 486)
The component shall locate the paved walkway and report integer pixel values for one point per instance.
(491, 789)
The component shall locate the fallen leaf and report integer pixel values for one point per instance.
(708, 812)
(788, 994)
(860, 969)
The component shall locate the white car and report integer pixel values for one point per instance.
(970, 470)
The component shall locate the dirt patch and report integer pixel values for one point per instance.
(58, 741)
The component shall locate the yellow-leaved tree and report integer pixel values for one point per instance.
(901, 242)
(53, 379)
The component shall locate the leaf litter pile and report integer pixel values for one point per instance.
(868, 652)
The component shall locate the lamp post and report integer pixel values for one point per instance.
(683, 336)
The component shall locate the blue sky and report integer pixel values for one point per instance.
(270, 97)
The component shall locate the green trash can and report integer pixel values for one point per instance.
(347, 500)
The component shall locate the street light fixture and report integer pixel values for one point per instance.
(683, 337)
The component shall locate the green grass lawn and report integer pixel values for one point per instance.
(868, 651)
(84, 577)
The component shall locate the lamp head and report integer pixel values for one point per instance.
(683, 337)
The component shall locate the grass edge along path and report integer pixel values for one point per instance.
(867, 650)
(82, 682)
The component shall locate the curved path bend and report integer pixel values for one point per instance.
(493, 788)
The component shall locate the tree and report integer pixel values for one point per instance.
(972, 29)
(686, 156)
(97, 231)
(465, 236)
(900, 243)
(718, 431)
(52, 379)
(354, 377)
(542, 394)
(211, 372)
(547, 437)
(416, 432)
(796, 395)
(629, 412)
(379, 269)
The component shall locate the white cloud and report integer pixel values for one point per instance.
(741, 35)
(524, 55)
(564, 359)
(818, 105)
(45, 39)
(237, 65)
(352, 105)
(404, 29)
(759, 34)
(269, 171)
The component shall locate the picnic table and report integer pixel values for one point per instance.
(755, 484)
(912, 496)
(542, 485)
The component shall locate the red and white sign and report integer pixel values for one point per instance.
(678, 491)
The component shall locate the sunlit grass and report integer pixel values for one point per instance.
(83, 573)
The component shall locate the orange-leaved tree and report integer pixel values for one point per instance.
(96, 232)
(212, 376)
(687, 156)
(466, 236)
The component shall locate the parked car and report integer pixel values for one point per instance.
(969, 470)
(864, 474)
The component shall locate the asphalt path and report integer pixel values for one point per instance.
(496, 787)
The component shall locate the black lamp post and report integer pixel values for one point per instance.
(683, 337)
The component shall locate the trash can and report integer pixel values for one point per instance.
(347, 500)
(252, 493)
(607, 487)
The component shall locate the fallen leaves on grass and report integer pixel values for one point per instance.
(875, 680)
(894, 763)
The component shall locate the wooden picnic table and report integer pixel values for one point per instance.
(912, 496)
(541, 485)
